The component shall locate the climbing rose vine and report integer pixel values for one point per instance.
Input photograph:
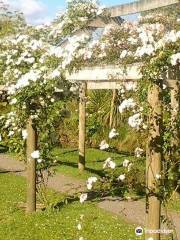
(34, 66)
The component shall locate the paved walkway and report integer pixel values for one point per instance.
(131, 211)
(134, 212)
(58, 182)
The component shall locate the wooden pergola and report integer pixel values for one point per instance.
(111, 77)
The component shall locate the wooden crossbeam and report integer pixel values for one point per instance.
(102, 22)
(136, 7)
(128, 9)
(106, 77)
(106, 73)
(104, 85)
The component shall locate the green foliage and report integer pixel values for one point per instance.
(97, 125)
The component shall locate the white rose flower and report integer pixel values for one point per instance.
(92, 179)
(11, 133)
(55, 73)
(126, 163)
(138, 152)
(35, 154)
(164, 86)
(83, 197)
(121, 177)
(89, 186)
(24, 134)
(30, 60)
(39, 160)
(127, 104)
(158, 176)
(112, 165)
(103, 145)
(175, 58)
(90, 182)
(113, 133)
(135, 121)
(13, 101)
(130, 86)
(123, 54)
(109, 163)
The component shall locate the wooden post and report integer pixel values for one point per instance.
(175, 108)
(154, 158)
(82, 125)
(31, 168)
(114, 93)
(174, 86)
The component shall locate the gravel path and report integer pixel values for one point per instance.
(58, 182)
(132, 211)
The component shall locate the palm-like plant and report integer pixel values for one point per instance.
(103, 106)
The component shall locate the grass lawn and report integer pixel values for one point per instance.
(58, 224)
(68, 159)
(174, 204)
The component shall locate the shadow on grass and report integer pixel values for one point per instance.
(115, 150)
(94, 197)
(70, 151)
(75, 165)
(68, 200)
(110, 150)
(10, 171)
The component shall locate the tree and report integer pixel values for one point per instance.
(11, 21)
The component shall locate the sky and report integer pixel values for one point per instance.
(43, 11)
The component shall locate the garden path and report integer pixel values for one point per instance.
(132, 211)
(58, 182)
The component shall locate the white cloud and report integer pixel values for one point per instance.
(42, 20)
(34, 10)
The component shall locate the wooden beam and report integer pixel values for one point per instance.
(103, 22)
(154, 158)
(136, 7)
(106, 73)
(31, 168)
(107, 76)
(103, 85)
(82, 125)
